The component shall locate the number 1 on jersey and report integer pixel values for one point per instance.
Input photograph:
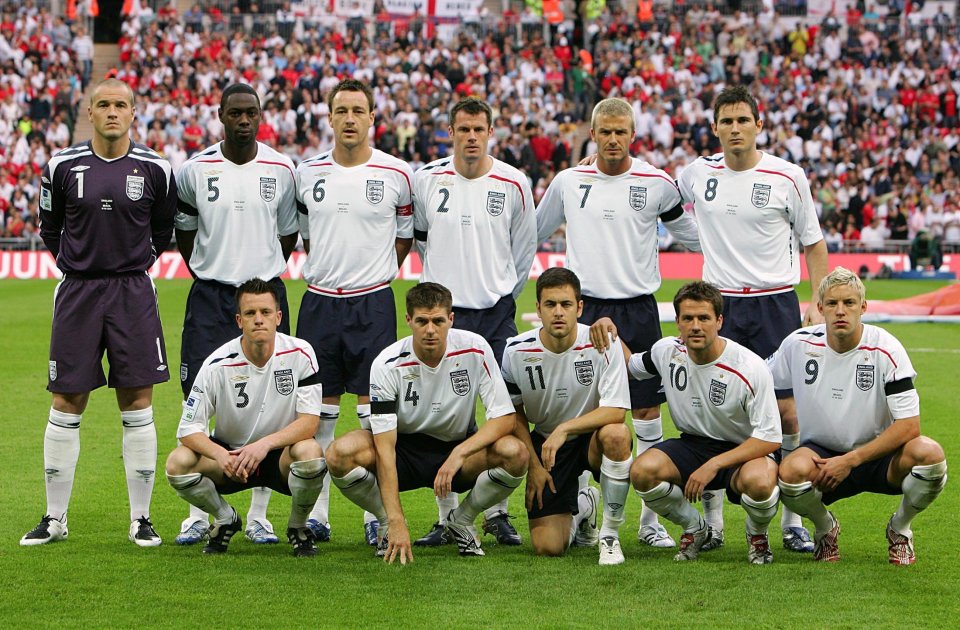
(539, 370)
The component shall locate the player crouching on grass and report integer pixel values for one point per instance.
(576, 399)
(264, 390)
(859, 417)
(423, 394)
(721, 398)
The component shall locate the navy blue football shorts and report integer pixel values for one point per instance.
(638, 325)
(572, 459)
(347, 334)
(868, 477)
(211, 321)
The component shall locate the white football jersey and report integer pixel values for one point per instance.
(730, 399)
(478, 236)
(750, 222)
(554, 388)
(250, 402)
(238, 211)
(352, 218)
(611, 226)
(846, 400)
(410, 397)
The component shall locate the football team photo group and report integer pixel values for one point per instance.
(792, 415)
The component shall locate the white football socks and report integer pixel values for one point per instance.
(305, 479)
(649, 433)
(61, 450)
(493, 486)
(804, 499)
(666, 499)
(760, 513)
(614, 486)
(200, 491)
(920, 488)
(325, 434)
(788, 518)
(139, 459)
(360, 486)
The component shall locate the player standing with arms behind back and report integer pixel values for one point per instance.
(355, 243)
(475, 224)
(611, 209)
(237, 220)
(106, 212)
(754, 210)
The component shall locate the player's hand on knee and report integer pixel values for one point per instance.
(443, 482)
(831, 472)
(698, 481)
(548, 452)
(398, 544)
(250, 456)
(537, 479)
(601, 332)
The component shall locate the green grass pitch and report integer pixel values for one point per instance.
(98, 579)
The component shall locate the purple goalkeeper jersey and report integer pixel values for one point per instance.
(99, 216)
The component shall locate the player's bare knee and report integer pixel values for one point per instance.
(70, 403)
(615, 440)
(645, 413)
(512, 455)
(922, 451)
(643, 474)
(545, 546)
(796, 468)
(758, 483)
(306, 449)
(339, 457)
(180, 461)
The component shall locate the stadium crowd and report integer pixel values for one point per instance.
(865, 102)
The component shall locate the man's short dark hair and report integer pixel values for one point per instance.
(731, 96)
(237, 88)
(557, 277)
(351, 85)
(699, 291)
(472, 106)
(256, 286)
(429, 295)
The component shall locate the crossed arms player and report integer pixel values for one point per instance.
(423, 392)
(106, 212)
(264, 390)
(721, 399)
(576, 398)
(859, 416)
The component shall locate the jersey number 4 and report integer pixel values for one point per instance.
(411, 396)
